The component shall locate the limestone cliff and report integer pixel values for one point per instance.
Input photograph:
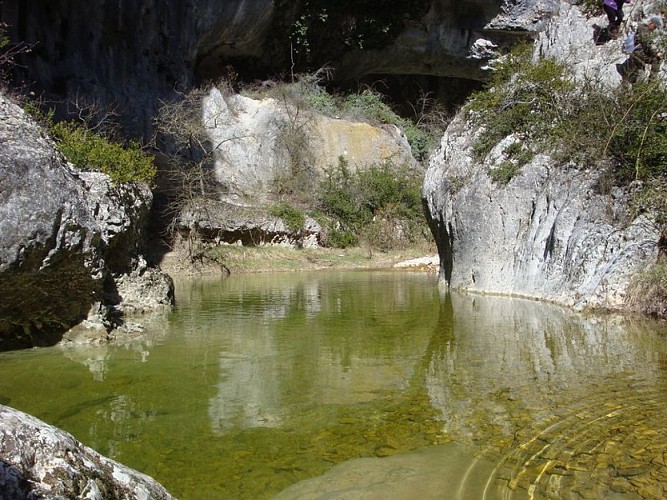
(553, 232)
(65, 236)
(127, 53)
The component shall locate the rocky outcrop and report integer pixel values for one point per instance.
(65, 235)
(41, 461)
(259, 140)
(128, 54)
(262, 148)
(554, 232)
(216, 222)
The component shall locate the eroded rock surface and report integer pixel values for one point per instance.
(41, 461)
(64, 235)
(555, 231)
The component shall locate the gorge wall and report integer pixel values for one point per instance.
(129, 54)
(554, 231)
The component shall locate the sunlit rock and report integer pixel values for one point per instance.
(256, 141)
(41, 461)
(554, 232)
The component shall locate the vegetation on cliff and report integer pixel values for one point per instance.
(623, 132)
(89, 150)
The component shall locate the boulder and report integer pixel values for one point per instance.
(259, 139)
(41, 461)
(64, 235)
(262, 146)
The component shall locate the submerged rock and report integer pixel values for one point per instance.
(41, 461)
(428, 473)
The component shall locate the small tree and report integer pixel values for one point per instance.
(9, 52)
(187, 163)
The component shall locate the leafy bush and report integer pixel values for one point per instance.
(370, 204)
(368, 105)
(341, 239)
(89, 151)
(504, 172)
(293, 217)
(526, 98)
(638, 140)
(648, 290)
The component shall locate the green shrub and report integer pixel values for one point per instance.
(648, 290)
(341, 239)
(366, 203)
(526, 98)
(89, 151)
(504, 172)
(639, 138)
(369, 106)
(293, 217)
(4, 40)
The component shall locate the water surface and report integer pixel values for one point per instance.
(258, 382)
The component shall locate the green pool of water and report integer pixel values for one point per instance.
(258, 382)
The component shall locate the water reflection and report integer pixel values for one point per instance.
(258, 382)
(313, 346)
(565, 404)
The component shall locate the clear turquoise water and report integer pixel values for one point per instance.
(257, 382)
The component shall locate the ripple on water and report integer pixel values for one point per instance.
(256, 383)
(603, 445)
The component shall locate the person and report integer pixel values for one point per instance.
(614, 11)
(644, 46)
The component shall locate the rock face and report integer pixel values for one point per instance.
(225, 222)
(259, 139)
(64, 235)
(264, 145)
(553, 232)
(40, 461)
(129, 53)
